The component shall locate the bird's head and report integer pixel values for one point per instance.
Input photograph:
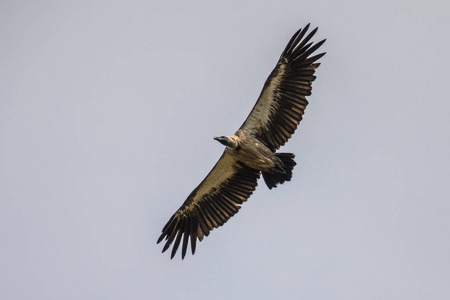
(227, 141)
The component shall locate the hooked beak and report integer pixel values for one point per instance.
(222, 139)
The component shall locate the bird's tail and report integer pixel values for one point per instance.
(281, 172)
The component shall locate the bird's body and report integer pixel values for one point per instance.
(252, 150)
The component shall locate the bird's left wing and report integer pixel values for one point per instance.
(282, 102)
(217, 198)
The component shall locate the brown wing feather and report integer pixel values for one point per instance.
(282, 102)
(217, 198)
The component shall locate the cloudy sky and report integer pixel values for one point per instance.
(107, 114)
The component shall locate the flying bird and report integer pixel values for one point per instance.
(251, 151)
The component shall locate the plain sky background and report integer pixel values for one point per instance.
(107, 114)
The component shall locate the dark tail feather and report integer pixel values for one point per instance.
(280, 173)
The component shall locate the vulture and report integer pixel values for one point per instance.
(252, 150)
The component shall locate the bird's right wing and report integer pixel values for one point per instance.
(217, 198)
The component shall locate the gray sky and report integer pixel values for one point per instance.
(107, 114)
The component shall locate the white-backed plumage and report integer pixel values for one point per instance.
(251, 151)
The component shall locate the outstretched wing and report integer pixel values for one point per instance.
(217, 198)
(282, 102)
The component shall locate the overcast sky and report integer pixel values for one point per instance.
(107, 118)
